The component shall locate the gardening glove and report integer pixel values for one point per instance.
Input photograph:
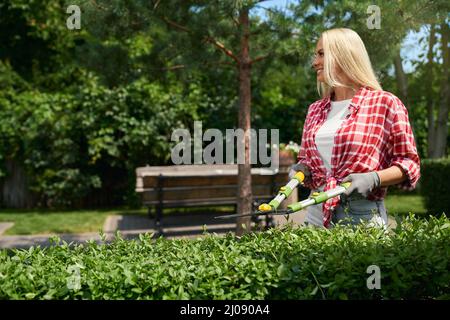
(363, 183)
(299, 167)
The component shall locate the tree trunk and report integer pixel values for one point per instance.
(443, 113)
(402, 83)
(429, 92)
(244, 204)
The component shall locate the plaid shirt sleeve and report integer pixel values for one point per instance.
(302, 156)
(404, 152)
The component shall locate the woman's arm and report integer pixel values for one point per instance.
(392, 175)
(404, 152)
(364, 183)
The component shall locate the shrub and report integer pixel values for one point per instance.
(73, 144)
(288, 263)
(435, 186)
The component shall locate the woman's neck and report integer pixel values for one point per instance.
(343, 93)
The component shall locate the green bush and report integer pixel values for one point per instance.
(73, 145)
(289, 263)
(435, 185)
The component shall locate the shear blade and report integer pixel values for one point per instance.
(236, 215)
(258, 213)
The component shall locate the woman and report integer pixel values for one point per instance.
(357, 132)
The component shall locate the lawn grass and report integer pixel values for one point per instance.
(52, 221)
(28, 222)
(403, 204)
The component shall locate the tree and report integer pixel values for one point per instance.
(397, 19)
(441, 128)
(210, 34)
(402, 81)
(430, 107)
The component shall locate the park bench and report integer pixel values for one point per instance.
(202, 185)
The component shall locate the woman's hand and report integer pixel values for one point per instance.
(299, 167)
(363, 183)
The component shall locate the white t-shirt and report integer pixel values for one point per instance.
(325, 142)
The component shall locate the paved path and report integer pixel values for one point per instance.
(5, 226)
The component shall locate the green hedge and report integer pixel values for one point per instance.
(289, 263)
(435, 185)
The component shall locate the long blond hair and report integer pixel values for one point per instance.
(344, 48)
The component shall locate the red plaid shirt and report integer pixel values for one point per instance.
(375, 135)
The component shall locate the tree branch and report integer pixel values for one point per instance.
(220, 46)
(176, 25)
(209, 39)
(233, 18)
(260, 58)
(98, 6)
(176, 67)
(267, 9)
(236, 22)
(156, 4)
(221, 63)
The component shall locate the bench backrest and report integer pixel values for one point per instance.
(202, 184)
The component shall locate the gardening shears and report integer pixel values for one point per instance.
(285, 192)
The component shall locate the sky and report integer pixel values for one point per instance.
(410, 49)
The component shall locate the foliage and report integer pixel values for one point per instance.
(302, 263)
(73, 143)
(397, 18)
(36, 42)
(434, 185)
(282, 98)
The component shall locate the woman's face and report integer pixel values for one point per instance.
(318, 61)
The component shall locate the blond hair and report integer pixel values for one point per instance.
(344, 48)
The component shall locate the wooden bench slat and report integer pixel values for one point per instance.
(205, 194)
(194, 181)
(209, 202)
